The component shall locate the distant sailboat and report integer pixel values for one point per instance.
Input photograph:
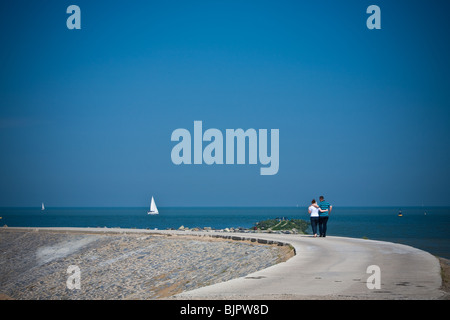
(400, 213)
(42, 207)
(153, 208)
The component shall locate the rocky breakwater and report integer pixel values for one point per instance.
(281, 225)
(135, 265)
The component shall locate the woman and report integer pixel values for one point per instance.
(314, 216)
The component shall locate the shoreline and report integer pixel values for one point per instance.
(227, 288)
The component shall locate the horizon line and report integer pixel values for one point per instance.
(237, 206)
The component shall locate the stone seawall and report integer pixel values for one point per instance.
(122, 265)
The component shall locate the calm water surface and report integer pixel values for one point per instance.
(428, 231)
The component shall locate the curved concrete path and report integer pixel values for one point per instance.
(323, 268)
(334, 268)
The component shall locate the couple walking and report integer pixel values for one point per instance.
(319, 216)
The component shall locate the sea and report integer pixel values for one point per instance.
(426, 228)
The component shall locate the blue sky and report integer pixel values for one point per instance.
(86, 115)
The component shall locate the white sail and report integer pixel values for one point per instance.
(42, 207)
(153, 208)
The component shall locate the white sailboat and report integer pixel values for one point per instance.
(42, 207)
(153, 208)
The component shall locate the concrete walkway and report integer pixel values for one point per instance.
(334, 268)
(323, 268)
